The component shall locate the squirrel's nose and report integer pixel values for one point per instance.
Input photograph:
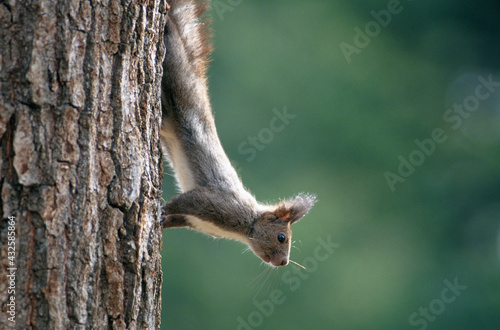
(278, 261)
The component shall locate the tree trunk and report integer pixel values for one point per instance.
(80, 163)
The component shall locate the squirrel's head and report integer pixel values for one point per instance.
(271, 236)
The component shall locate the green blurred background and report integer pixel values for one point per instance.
(426, 255)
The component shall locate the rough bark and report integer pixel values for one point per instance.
(80, 162)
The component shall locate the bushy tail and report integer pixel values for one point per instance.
(194, 28)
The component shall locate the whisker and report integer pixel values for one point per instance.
(295, 247)
(276, 279)
(269, 272)
(297, 263)
(258, 276)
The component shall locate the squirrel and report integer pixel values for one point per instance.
(213, 199)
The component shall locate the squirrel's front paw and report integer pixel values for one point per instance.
(173, 220)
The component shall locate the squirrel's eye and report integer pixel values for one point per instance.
(281, 238)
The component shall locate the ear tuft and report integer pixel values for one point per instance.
(293, 209)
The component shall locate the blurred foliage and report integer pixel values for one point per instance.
(397, 249)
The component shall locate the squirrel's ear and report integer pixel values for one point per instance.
(293, 209)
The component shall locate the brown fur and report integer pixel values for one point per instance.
(213, 199)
